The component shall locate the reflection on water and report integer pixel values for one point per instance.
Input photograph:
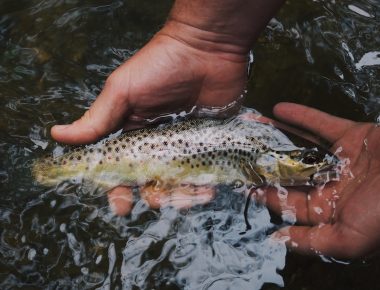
(321, 51)
(54, 57)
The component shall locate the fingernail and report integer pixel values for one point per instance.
(61, 127)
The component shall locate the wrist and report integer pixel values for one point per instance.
(223, 44)
(225, 26)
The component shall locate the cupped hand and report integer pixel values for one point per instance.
(342, 219)
(167, 75)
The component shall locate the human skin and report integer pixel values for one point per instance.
(198, 58)
(347, 222)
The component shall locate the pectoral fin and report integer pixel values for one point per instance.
(255, 179)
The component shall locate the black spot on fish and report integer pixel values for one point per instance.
(117, 159)
(180, 141)
(109, 149)
(152, 146)
(123, 146)
(115, 142)
(71, 157)
(117, 149)
(79, 158)
(100, 162)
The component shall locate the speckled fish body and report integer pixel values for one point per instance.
(196, 152)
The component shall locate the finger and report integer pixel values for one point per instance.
(179, 197)
(311, 208)
(331, 240)
(120, 200)
(104, 116)
(288, 129)
(327, 126)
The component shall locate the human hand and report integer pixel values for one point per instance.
(169, 74)
(342, 219)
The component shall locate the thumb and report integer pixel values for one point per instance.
(104, 116)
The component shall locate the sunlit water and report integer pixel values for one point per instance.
(54, 58)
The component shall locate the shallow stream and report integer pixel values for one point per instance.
(54, 58)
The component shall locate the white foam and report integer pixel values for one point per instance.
(369, 59)
(360, 11)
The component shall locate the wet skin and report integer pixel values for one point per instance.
(348, 222)
(351, 229)
(214, 75)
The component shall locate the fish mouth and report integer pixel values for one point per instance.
(325, 175)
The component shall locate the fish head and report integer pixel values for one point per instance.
(298, 167)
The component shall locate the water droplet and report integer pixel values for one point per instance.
(32, 254)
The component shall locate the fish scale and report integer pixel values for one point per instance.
(196, 152)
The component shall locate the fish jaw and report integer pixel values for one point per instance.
(281, 168)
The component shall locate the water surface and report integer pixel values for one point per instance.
(54, 58)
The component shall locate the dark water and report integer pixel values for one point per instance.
(54, 58)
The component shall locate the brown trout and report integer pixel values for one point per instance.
(193, 152)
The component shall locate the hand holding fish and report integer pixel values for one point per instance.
(198, 59)
(342, 219)
(165, 76)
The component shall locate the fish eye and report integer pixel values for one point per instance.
(311, 157)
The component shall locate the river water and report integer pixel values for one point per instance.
(54, 58)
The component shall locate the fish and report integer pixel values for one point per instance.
(196, 152)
